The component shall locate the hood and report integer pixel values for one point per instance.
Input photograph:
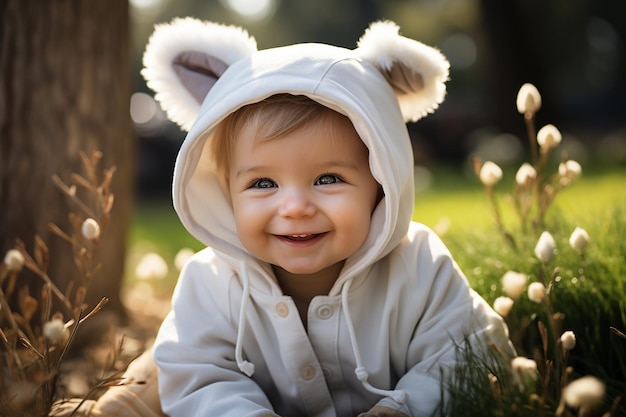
(203, 71)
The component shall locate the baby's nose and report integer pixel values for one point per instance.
(296, 203)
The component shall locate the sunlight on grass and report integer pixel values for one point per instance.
(459, 209)
(468, 208)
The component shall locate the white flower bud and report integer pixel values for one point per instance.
(503, 305)
(586, 392)
(514, 283)
(579, 239)
(90, 229)
(14, 260)
(548, 137)
(524, 370)
(525, 365)
(546, 247)
(525, 174)
(568, 340)
(490, 174)
(151, 267)
(182, 256)
(569, 171)
(536, 292)
(528, 99)
(55, 331)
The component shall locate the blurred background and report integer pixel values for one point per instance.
(572, 51)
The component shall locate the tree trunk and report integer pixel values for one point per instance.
(515, 40)
(65, 86)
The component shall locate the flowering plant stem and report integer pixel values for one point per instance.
(534, 189)
(498, 218)
(529, 120)
(30, 371)
(30, 263)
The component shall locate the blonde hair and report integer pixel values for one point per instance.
(272, 118)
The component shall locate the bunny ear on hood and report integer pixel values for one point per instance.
(184, 59)
(416, 72)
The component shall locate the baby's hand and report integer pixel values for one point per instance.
(378, 411)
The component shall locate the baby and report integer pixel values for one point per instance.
(317, 295)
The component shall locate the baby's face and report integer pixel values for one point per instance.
(303, 201)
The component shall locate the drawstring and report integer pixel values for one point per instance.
(243, 365)
(398, 396)
(247, 367)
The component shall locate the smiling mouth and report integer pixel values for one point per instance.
(301, 237)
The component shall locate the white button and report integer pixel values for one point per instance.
(324, 312)
(328, 374)
(282, 309)
(307, 372)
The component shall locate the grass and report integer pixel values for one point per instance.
(459, 199)
(457, 208)
(588, 292)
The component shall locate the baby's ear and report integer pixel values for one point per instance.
(416, 72)
(185, 58)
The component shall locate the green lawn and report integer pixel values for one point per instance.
(463, 203)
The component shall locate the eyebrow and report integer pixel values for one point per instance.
(246, 170)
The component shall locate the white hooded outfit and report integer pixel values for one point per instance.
(233, 343)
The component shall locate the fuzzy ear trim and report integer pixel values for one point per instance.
(416, 72)
(183, 59)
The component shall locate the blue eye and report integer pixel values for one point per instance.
(263, 183)
(327, 179)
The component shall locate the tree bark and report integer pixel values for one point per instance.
(65, 87)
